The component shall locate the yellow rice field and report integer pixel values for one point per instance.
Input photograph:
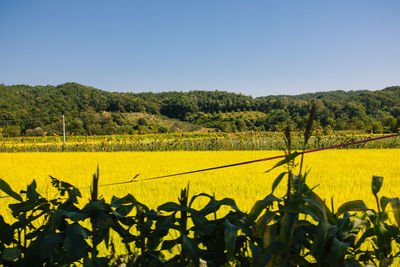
(343, 174)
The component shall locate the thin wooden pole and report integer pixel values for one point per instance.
(63, 117)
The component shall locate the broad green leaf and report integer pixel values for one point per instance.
(74, 216)
(287, 159)
(73, 194)
(262, 256)
(74, 242)
(152, 243)
(367, 234)
(213, 205)
(258, 207)
(355, 205)
(294, 205)
(6, 232)
(382, 236)
(173, 207)
(319, 241)
(384, 201)
(165, 222)
(48, 244)
(266, 237)
(123, 233)
(262, 222)
(123, 210)
(277, 181)
(10, 254)
(126, 200)
(337, 250)
(197, 196)
(18, 208)
(7, 189)
(288, 224)
(315, 205)
(313, 211)
(169, 244)
(189, 247)
(230, 233)
(200, 222)
(31, 191)
(376, 184)
(93, 207)
(311, 194)
(169, 207)
(395, 203)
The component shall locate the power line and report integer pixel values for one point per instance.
(269, 158)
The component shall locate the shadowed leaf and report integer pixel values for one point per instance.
(10, 254)
(7, 189)
(285, 161)
(376, 184)
(230, 233)
(355, 205)
(277, 181)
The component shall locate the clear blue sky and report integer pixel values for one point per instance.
(252, 47)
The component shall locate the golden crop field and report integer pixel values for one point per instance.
(343, 174)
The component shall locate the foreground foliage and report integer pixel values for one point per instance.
(295, 229)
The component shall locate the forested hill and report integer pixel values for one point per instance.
(27, 110)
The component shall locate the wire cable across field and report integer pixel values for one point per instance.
(134, 180)
(266, 159)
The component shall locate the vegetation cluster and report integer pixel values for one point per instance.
(219, 141)
(37, 111)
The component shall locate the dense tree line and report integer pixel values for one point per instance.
(28, 110)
